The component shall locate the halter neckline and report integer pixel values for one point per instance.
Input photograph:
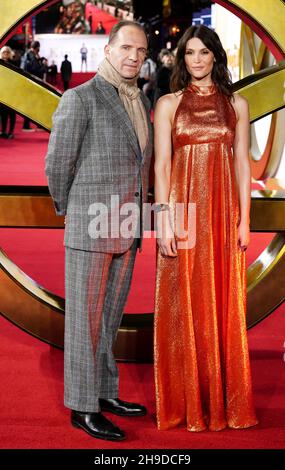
(203, 89)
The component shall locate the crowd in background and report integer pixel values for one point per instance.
(153, 80)
(73, 20)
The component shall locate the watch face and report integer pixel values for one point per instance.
(161, 207)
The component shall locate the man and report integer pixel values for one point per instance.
(83, 52)
(52, 73)
(100, 147)
(66, 72)
(32, 63)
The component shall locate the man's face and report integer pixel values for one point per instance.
(36, 50)
(127, 51)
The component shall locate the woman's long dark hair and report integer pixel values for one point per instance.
(221, 76)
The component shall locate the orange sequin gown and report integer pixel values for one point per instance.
(202, 370)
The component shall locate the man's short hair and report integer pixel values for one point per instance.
(35, 45)
(122, 24)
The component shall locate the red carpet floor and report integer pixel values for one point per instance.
(107, 20)
(32, 414)
(31, 373)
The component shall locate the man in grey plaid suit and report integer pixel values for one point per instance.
(98, 157)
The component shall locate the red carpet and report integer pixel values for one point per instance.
(32, 414)
(76, 79)
(107, 20)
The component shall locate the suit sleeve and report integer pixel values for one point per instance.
(69, 126)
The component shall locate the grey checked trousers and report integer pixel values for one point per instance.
(96, 288)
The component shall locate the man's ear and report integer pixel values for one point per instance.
(107, 50)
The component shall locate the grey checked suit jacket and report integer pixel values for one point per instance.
(94, 153)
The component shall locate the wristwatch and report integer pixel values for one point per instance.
(160, 207)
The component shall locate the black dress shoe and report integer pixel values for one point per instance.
(121, 408)
(97, 426)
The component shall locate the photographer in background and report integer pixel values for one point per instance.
(32, 63)
(6, 113)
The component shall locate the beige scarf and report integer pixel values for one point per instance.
(130, 96)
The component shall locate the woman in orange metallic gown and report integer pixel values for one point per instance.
(202, 370)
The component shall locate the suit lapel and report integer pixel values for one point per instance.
(109, 96)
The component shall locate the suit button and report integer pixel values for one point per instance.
(137, 194)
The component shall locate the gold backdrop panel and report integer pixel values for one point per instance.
(28, 305)
(14, 89)
(28, 210)
(265, 287)
(269, 14)
(267, 211)
(255, 56)
(266, 165)
(13, 12)
(264, 91)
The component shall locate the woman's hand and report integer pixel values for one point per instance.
(243, 235)
(165, 236)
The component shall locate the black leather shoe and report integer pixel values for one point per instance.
(121, 408)
(97, 426)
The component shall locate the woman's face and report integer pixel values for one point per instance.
(199, 59)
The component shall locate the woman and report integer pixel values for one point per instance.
(6, 112)
(202, 370)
